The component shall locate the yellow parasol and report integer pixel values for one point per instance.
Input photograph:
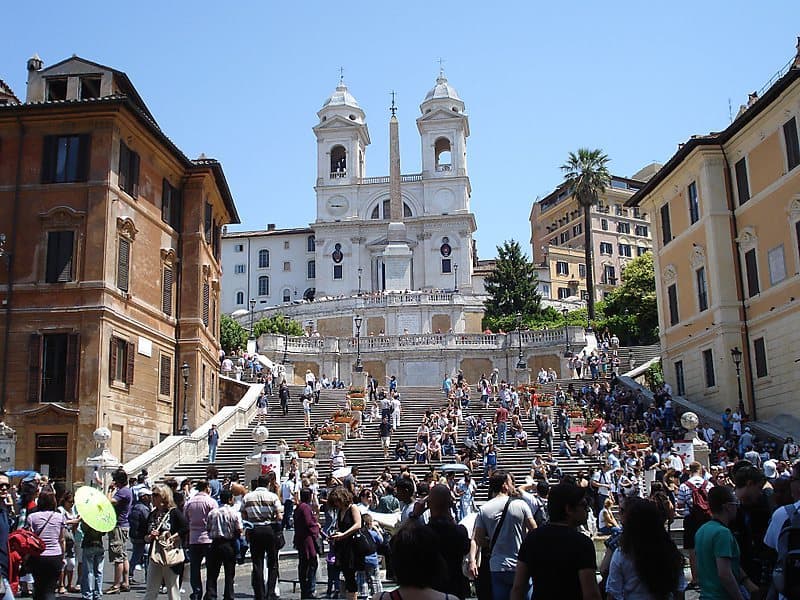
(95, 509)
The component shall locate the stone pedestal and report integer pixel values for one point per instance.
(101, 461)
(397, 259)
(359, 379)
(522, 377)
(701, 452)
(324, 450)
(251, 345)
(252, 468)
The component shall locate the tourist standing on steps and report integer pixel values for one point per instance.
(262, 508)
(213, 442)
(224, 527)
(385, 434)
(196, 510)
(283, 394)
(397, 411)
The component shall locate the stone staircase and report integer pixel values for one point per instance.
(366, 452)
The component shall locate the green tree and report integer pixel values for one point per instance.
(232, 335)
(630, 309)
(277, 324)
(511, 288)
(586, 174)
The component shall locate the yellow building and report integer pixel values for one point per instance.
(726, 212)
(619, 234)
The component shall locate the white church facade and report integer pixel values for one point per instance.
(372, 235)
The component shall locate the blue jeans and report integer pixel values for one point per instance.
(197, 552)
(212, 453)
(139, 549)
(92, 572)
(502, 428)
(502, 582)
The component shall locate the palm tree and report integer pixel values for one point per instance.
(586, 174)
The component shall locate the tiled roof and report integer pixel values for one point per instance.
(6, 89)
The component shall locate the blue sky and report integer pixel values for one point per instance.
(243, 83)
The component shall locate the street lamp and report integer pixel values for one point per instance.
(252, 308)
(359, 367)
(455, 277)
(520, 361)
(360, 271)
(285, 338)
(567, 349)
(736, 355)
(185, 421)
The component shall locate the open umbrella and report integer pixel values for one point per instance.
(95, 509)
(454, 467)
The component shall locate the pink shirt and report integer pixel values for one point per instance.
(196, 511)
(50, 533)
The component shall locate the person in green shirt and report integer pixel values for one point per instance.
(718, 565)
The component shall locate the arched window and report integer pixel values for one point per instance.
(287, 295)
(239, 298)
(263, 286)
(338, 161)
(263, 258)
(443, 155)
(381, 211)
(311, 244)
(311, 269)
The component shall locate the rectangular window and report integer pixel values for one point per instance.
(702, 291)
(577, 229)
(208, 225)
(60, 250)
(311, 244)
(206, 302)
(563, 293)
(263, 286)
(263, 258)
(56, 89)
(641, 250)
(792, 144)
(165, 375)
(618, 209)
(564, 237)
(742, 184)
(641, 230)
(581, 270)
(694, 206)
(90, 87)
(166, 292)
(604, 224)
(203, 383)
(239, 269)
(171, 205)
(562, 268)
(286, 244)
(760, 351)
(238, 248)
(666, 226)
(287, 266)
(337, 271)
(128, 180)
(123, 264)
(672, 296)
(623, 228)
(777, 265)
(708, 367)
(680, 382)
(606, 248)
(53, 367)
(65, 158)
(447, 266)
(609, 275)
(554, 241)
(625, 250)
(751, 268)
(311, 269)
(122, 356)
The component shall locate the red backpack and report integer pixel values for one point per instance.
(25, 543)
(700, 505)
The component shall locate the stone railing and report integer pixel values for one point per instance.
(178, 449)
(406, 298)
(385, 179)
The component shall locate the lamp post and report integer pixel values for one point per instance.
(6, 254)
(567, 349)
(185, 421)
(520, 361)
(285, 338)
(252, 308)
(455, 277)
(736, 355)
(360, 271)
(359, 367)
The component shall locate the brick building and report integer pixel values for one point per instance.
(111, 274)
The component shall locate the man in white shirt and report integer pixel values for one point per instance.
(289, 491)
(396, 411)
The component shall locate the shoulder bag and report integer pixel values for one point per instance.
(484, 583)
(167, 549)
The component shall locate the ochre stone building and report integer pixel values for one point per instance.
(111, 278)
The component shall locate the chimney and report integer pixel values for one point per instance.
(34, 63)
(270, 226)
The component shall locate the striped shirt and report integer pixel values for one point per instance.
(261, 506)
(684, 497)
(224, 523)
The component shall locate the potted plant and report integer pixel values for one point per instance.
(357, 402)
(305, 449)
(355, 391)
(332, 432)
(637, 441)
(342, 415)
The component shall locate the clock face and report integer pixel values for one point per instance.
(337, 206)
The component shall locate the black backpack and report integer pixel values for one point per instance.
(786, 576)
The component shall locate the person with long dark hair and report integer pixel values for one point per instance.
(647, 565)
(49, 525)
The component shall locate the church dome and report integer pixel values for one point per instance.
(442, 90)
(341, 97)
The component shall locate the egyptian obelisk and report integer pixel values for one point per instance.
(397, 255)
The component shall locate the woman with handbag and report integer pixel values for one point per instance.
(49, 525)
(345, 540)
(166, 526)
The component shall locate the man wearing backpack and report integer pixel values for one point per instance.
(692, 501)
(784, 526)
